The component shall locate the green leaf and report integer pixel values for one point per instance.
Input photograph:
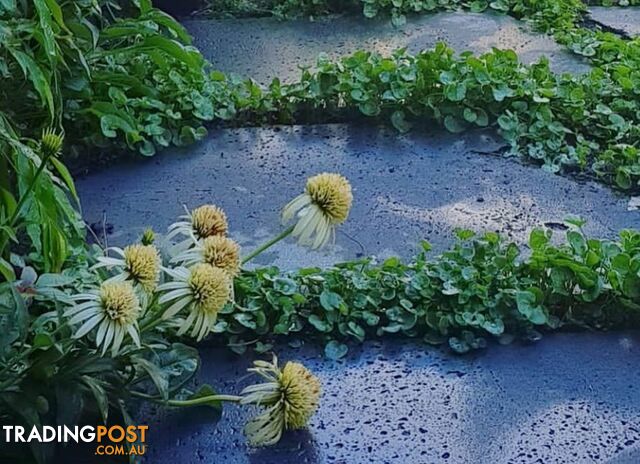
(99, 395)
(179, 364)
(623, 179)
(369, 108)
(156, 374)
(14, 317)
(285, 285)
(453, 124)
(46, 36)
(6, 269)
(147, 148)
(501, 92)
(8, 5)
(335, 350)
(110, 122)
(458, 345)
(356, 331)
(245, 319)
(482, 119)
(399, 122)
(494, 327)
(189, 56)
(398, 20)
(577, 242)
(56, 12)
(575, 221)
(631, 286)
(528, 303)
(538, 239)
(470, 115)
(43, 340)
(370, 318)
(330, 300)
(66, 176)
(464, 234)
(319, 324)
(456, 92)
(34, 73)
(370, 10)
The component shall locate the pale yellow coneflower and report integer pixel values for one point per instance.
(217, 251)
(204, 221)
(138, 263)
(324, 204)
(201, 291)
(113, 308)
(290, 397)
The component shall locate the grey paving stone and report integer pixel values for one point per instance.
(266, 48)
(407, 188)
(625, 19)
(570, 399)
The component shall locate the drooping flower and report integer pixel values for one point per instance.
(217, 251)
(290, 397)
(138, 263)
(51, 143)
(201, 291)
(324, 205)
(113, 308)
(204, 221)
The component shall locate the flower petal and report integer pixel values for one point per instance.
(108, 337)
(133, 333)
(187, 323)
(102, 330)
(84, 314)
(295, 205)
(176, 307)
(88, 325)
(117, 340)
(79, 307)
(172, 295)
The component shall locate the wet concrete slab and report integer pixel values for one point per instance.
(265, 48)
(571, 398)
(626, 19)
(406, 188)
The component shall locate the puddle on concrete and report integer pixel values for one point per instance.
(623, 19)
(266, 48)
(406, 189)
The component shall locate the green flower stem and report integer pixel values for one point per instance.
(284, 234)
(187, 403)
(152, 323)
(205, 400)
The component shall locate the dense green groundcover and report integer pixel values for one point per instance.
(566, 123)
(584, 123)
(482, 288)
(109, 77)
